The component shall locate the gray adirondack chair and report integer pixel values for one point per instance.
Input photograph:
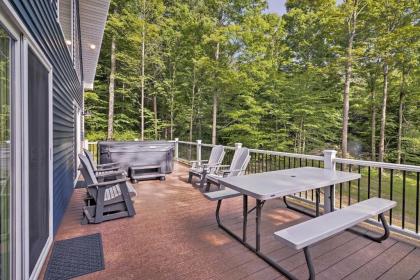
(100, 168)
(107, 200)
(238, 167)
(210, 166)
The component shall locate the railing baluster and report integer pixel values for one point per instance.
(403, 201)
(391, 193)
(341, 188)
(349, 198)
(417, 202)
(265, 162)
(289, 162)
(380, 182)
(358, 186)
(255, 162)
(368, 181)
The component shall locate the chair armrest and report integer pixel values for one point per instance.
(111, 174)
(197, 163)
(227, 172)
(106, 169)
(108, 165)
(107, 183)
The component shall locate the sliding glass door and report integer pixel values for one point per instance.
(5, 153)
(39, 162)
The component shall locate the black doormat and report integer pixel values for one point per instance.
(75, 257)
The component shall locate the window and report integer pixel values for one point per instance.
(65, 17)
(69, 22)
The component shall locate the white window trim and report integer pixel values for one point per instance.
(20, 207)
(37, 269)
(78, 124)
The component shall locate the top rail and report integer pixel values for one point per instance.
(367, 163)
(394, 166)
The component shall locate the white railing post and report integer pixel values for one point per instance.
(199, 151)
(329, 163)
(86, 144)
(238, 146)
(176, 148)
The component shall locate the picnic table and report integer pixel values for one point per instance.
(275, 184)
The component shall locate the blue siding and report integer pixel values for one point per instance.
(40, 18)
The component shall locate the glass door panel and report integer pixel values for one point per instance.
(5, 159)
(38, 124)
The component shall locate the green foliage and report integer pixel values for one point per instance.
(278, 79)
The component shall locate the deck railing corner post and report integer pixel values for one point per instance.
(329, 163)
(86, 144)
(176, 148)
(238, 146)
(199, 151)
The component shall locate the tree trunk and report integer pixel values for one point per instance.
(347, 80)
(172, 105)
(110, 135)
(373, 122)
(383, 114)
(192, 105)
(400, 117)
(215, 100)
(155, 113)
(143, 46)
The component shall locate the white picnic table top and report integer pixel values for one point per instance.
(273, 184)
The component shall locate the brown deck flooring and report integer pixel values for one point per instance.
(174, 236)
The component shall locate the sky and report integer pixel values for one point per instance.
(278, 6)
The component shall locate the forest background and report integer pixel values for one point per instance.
(322, 75)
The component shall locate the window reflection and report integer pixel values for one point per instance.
(5, 138)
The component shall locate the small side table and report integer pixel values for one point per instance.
(145, 172)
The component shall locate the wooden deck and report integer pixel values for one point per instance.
(175, 236)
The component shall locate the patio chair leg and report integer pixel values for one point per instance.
(127, 199)
(208, 185)
(190, 177)
(385, 225)
(309, 263)
(219, 203)
(99, 213)
(203, 179)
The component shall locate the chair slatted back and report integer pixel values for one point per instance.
(91, 159)
(216, 155)
(87, 170)
(240, 162)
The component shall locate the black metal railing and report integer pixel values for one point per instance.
(397, 182)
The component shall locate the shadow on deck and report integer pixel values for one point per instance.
(175, 236)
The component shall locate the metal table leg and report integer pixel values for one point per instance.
(258, 226)
(242, 240)
(317, 205)
(245, 219)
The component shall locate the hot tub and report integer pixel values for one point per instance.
(138, 153)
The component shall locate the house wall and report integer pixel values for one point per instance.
(40, 17)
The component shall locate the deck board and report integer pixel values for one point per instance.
(175, 236)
